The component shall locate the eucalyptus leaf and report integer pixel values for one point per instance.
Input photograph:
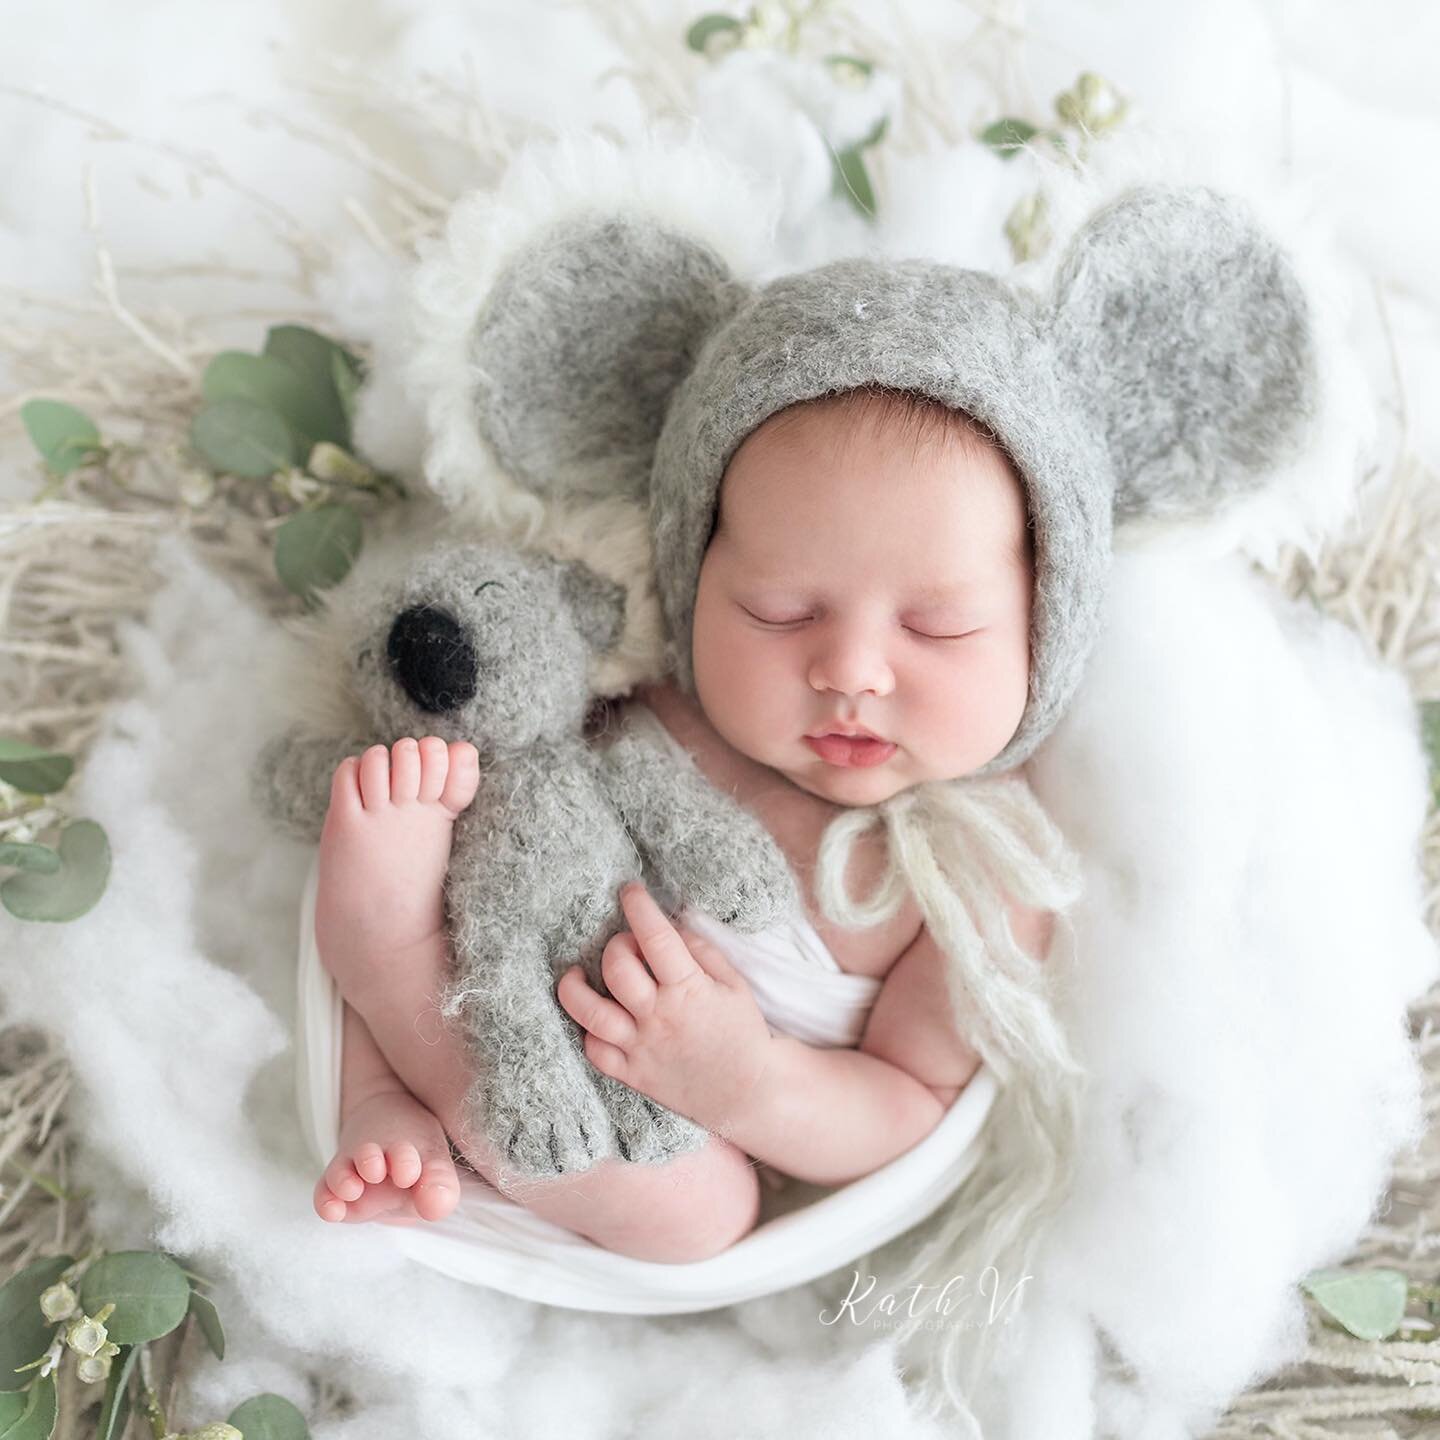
(32, 768)
(149, 1291)
(64, 435)
(1430, 735)
(1008, 136)
(309, 355)
(24, 1331)
(270, 383)
(316, 548)
(37, 1419)
(347, 377)
(12, 1406)
(1369, 1303)
(73, 888)
(243, 437)
(698, 36)
(269, 1417)
(37, 859)
(207, 1317)
(844, 62)
(851, 181)
(115, 1410)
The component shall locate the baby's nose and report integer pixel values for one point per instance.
(850, 667)
(432, 659)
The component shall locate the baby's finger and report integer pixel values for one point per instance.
(660, 943)
(711, 959)
(626, 975)
(596, 1013)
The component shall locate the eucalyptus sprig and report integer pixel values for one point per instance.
(779, 25)
(1090, 108)
(48, 882)
(286, 415)
(104, 1311)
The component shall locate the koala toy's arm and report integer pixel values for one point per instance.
(290, 779)
(702, 846)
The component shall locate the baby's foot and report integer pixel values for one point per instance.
(393, 1163)
(384, 852)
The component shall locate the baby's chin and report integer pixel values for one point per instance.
(851, 784)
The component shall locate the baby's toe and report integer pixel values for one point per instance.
(404, 1162)
(345, 786)
(328, 1205)
(405, 770)
(437, 1192)
(462, 778)
(369, 1162)
(434, 767)
(375, 777)
(341, 1179)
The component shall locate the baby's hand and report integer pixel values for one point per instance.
(685, 1031)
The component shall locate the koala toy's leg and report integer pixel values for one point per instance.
(534, 1096)
(645, 1131)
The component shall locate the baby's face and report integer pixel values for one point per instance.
(871, 588)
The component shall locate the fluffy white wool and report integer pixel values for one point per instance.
(1245, 793)
(1255, 1069)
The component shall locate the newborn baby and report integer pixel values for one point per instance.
(861, 625)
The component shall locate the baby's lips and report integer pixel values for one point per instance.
(850, 750)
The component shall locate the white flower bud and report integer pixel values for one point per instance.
(91, 1368)
(86, 1335)
(1093, 104)
(216, 1430)
(768, 24)
(52, 1357)
(196, 488)
(298, 485)
(849, 74)
(58, 1302)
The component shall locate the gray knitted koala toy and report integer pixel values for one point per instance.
(490, 643)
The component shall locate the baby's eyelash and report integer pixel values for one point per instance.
(779, 624)
(926, 635)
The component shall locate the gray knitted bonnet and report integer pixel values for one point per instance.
(1170, 366)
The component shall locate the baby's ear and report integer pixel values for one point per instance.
(580, 345)
(1186, 337)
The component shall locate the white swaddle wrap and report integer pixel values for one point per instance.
(805, 1230)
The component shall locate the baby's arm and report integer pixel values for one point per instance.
(829, 1116)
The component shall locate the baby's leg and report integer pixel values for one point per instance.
(393, 1158)
(389, 954)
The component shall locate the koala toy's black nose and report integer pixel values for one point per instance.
(432, 659)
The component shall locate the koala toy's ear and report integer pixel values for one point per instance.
(1186, 338)
(580, 345)
(597, 604)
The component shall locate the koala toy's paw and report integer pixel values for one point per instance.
(539, 1132)
(645, 1132)
(753, 900)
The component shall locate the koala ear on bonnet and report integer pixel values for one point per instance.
(581, 344)
(1185, 336)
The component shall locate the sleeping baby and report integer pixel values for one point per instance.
(861, 625)
(882, 499)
